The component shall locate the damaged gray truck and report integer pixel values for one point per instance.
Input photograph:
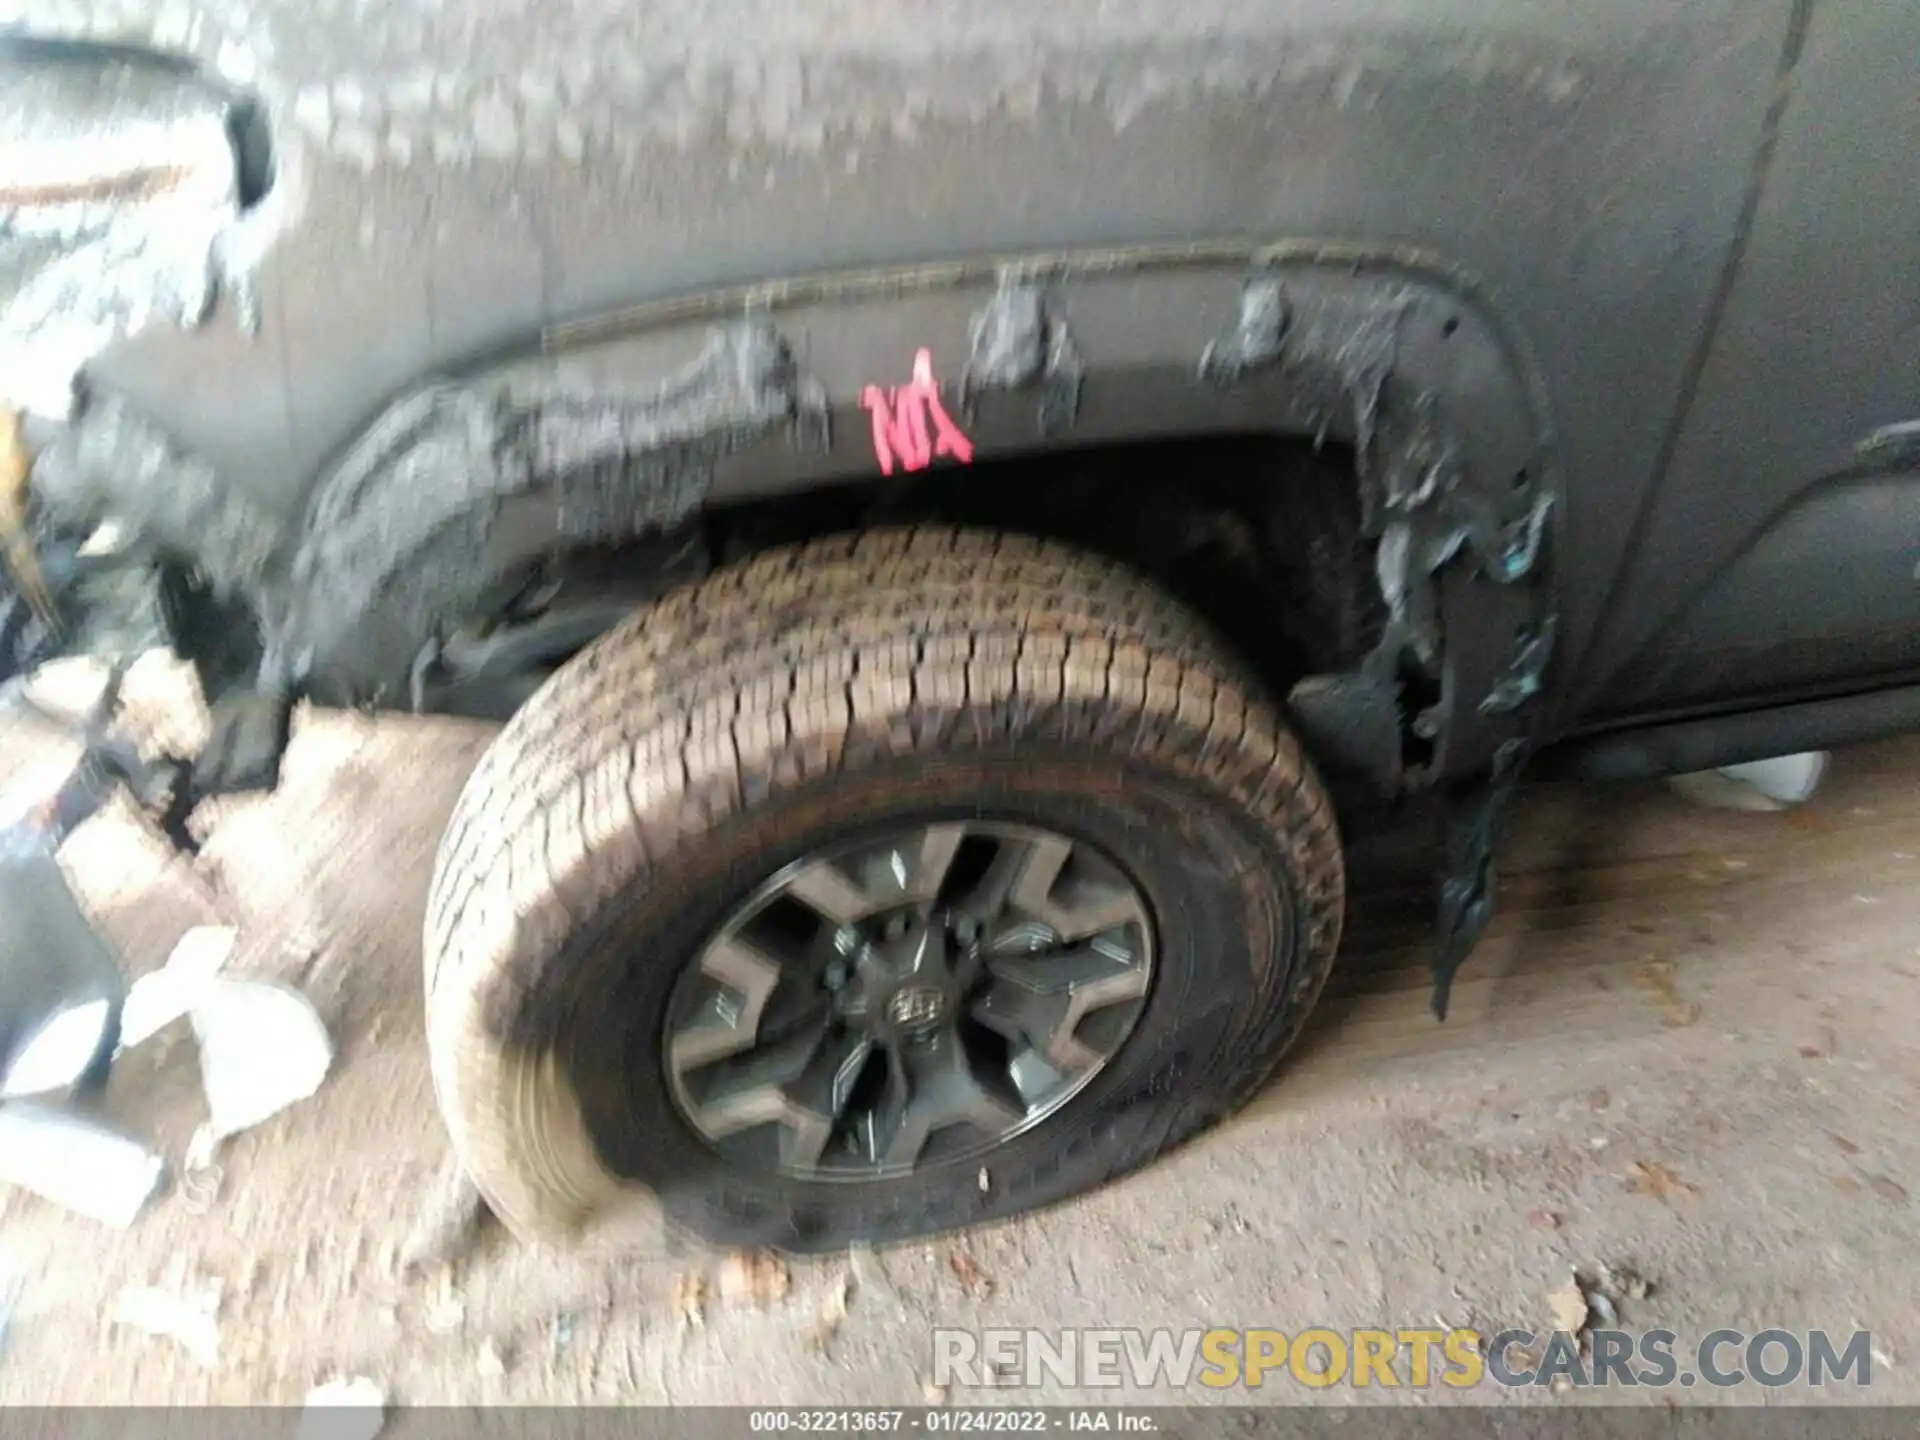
(949, 502)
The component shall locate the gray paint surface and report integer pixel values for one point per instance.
(1763, 563)
(454, 177)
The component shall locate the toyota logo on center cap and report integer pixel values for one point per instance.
(916, 1007)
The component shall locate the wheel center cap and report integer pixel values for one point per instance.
(917, 1009)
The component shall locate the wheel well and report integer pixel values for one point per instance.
(1261, 535)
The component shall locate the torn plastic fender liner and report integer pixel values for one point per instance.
(1461, 548)
(113, 461)
(459, 483)
(1021, 338)
(19, 560)
(1456, 493)
(575, 439)
(130, 182)
(1259, 330)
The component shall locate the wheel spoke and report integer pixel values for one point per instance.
(931, 1088)
(934, 857)
(906, 873)
(802, 1086)
(1024, 866)
(731, 1019)
(1037, 868)
(827, 890)
(1041, 1000)
(1031, 878)
(1093, 910)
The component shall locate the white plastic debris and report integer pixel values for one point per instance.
(263, 1047)
(352, 1409)
(162, 996)
(1789, 779)
(13, 1284)
(59, 1053)
(76, 1163)
(189, 1320)
(1758, 785)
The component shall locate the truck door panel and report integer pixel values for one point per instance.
(1779, 556)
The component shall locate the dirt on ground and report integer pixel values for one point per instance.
(1680, 1064)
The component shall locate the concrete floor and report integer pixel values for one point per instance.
(1687, 1048)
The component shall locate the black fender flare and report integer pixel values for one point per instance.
(621, 424)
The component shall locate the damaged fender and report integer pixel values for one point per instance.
(126, 182)
(629, 423)
(130, 182)
(632, 422)
(458, 483)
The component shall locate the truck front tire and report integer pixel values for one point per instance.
(869, 888)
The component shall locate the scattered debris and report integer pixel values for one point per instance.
(1593, 1300)
(833, 1310)
(189, 1317)
(1759, 785)
(1543, 1220)
(1657, 977)
(490, 1361)
(60, 978)
(689, 1299)
(934, 1394)
(974, 1281)
(1599, 1100)
(201, 1174)
(1522, 1358)
(13, 1283)
(1887, 1189)
(448, 1222)
(447, 1312)
(1569, 1306)
(352, 1409)
(985, 1181)
(160, 997)
(1654, 975)
(1625, 1280)
(758, 1277)
(1650, 1177)
(78, 1163)
(1823, 1048)
(263, 1047)
(560, 1335)
(1845, 1146)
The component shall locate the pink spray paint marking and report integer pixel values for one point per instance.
(910, 425)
